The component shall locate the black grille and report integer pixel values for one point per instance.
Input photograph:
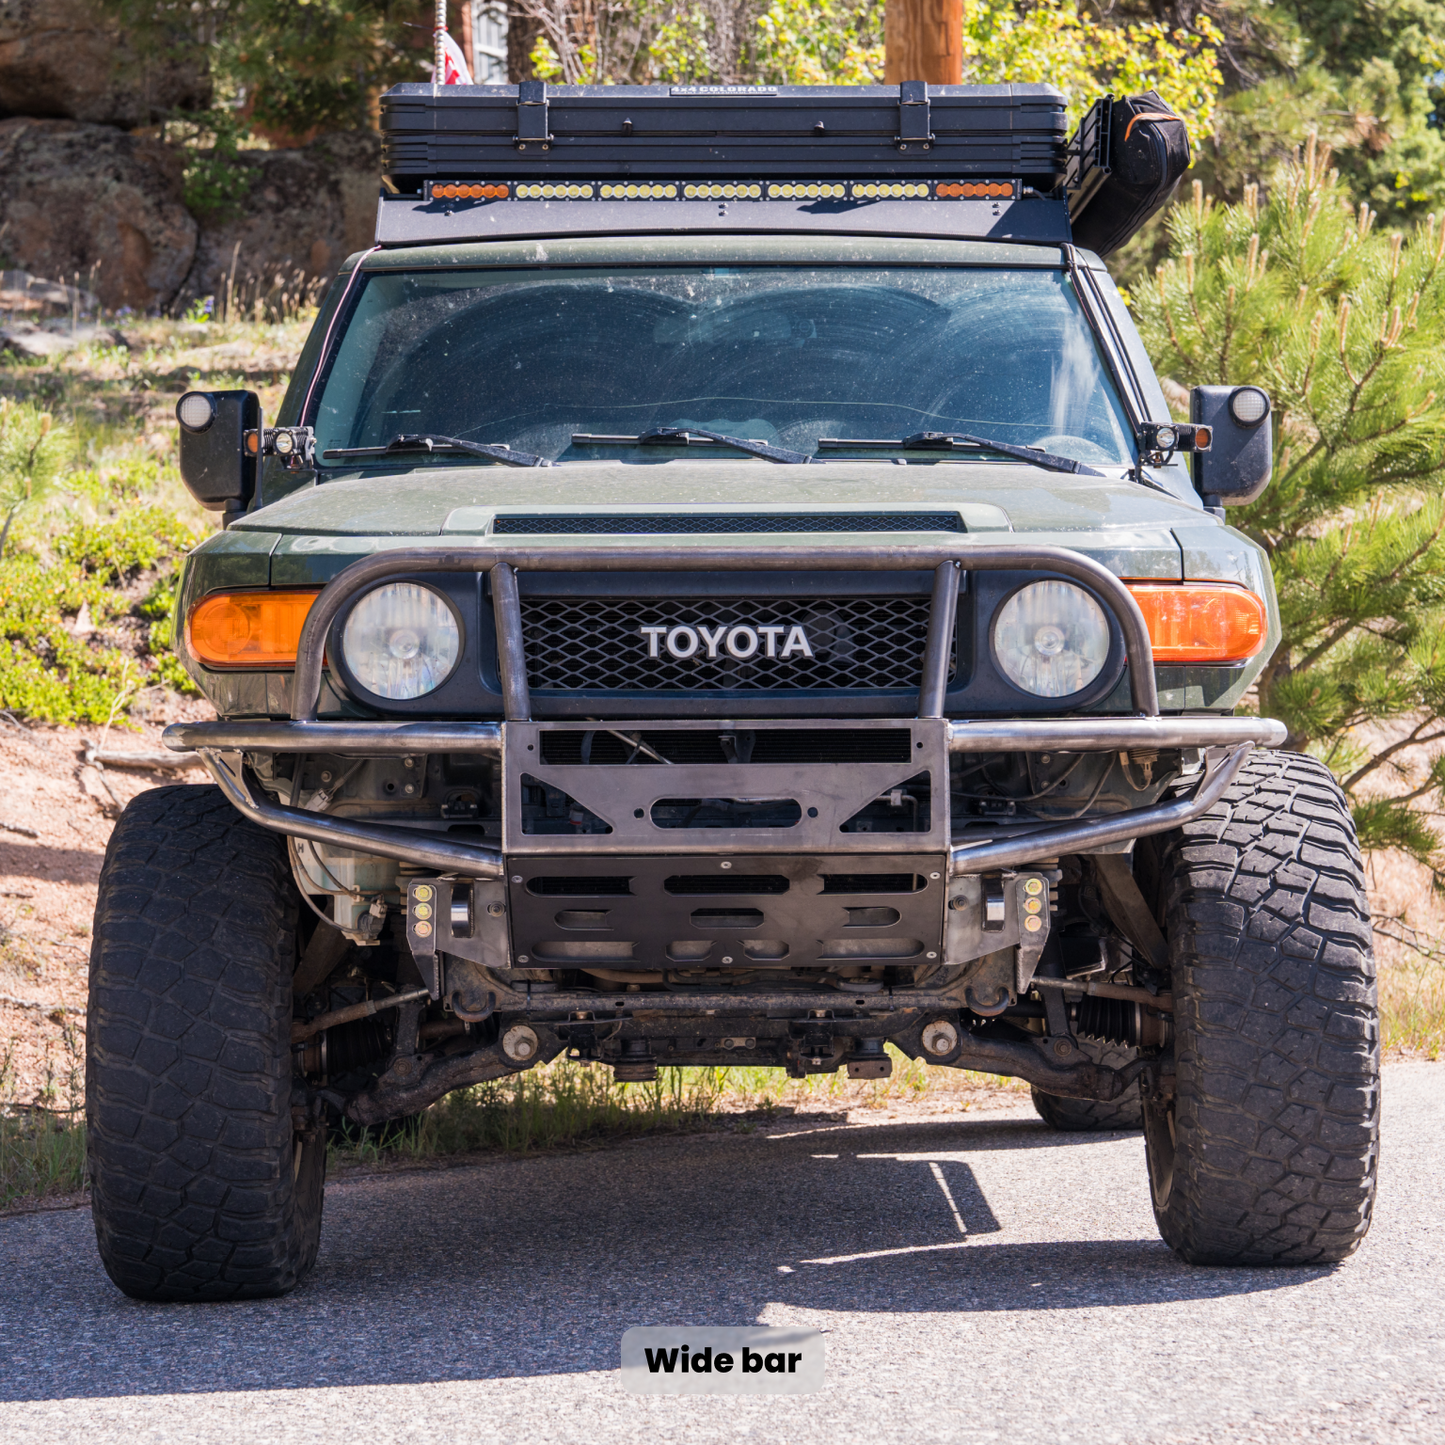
(594, 644)
(686, 522)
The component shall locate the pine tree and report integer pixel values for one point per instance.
(1344, 326)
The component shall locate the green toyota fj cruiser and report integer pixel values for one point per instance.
(562, 713)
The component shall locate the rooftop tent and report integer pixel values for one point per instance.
(994, 162)
(660, 131)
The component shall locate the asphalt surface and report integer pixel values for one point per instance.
(487, 1302)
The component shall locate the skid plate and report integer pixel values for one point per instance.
(760, 910)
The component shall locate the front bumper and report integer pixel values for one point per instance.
(222, 747)
(827, 794)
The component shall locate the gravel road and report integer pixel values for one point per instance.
(979, 1279)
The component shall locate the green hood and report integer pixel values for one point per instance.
(1124, 525)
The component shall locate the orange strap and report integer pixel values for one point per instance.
(1150, 115)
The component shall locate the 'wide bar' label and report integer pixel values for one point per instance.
(727, 1360)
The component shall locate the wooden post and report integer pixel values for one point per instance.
(923, 40)
(468, 39)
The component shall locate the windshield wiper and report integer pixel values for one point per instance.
(944, 441)
(677, 436)
(399, 445)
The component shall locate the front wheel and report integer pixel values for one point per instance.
(1267, 1151)
(204, 1187)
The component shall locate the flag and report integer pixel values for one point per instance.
(454, 67)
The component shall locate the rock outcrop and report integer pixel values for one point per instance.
(67, 59)
(93, 202)
(24, 338)
(306, 211)
(95, 207)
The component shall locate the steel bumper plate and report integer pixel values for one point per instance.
(622, 794)
(761, 911)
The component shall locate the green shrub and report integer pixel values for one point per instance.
(133, 542)
(33, 455)
(49, 673)
(159, 606)
(1344, 325)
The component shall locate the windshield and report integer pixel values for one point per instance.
(784, 355)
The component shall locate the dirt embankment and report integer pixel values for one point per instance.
(56, 816)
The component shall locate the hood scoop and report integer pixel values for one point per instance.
(642, 524)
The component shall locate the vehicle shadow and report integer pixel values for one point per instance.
(49, 865)
(523, 1267)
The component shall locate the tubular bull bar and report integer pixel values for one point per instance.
(222, 745)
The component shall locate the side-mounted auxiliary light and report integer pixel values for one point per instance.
(223, 438)
(1159, 440)
(196, 410)
(295, 445)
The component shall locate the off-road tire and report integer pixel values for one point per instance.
(1268, 1152)
(1090, 1115)
(201, 1189)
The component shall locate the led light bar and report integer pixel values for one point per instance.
(467, 191)
(873, 190)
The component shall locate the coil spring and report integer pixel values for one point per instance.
(1110, 1021)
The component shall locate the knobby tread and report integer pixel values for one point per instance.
(197, 1190)
(1091, 1115)
(1277, 1044)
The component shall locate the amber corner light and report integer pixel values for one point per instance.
(248, 629)
(1201, 622)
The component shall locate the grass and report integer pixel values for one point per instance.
(42, 1141)
(566, 1104)
(41, 1156)
(103, 544)
(1412, 1004)
(118, 575)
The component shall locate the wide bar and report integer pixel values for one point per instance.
(1111, 734)
(354, 739)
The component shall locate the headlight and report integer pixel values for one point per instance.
(1051, 639)
(401, 641)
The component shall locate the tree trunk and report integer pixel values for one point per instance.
(923, 40)
(522, 33)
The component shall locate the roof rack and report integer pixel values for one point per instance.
(984, 162)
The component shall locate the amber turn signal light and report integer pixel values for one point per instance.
(248, 629)
(1201, 622)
